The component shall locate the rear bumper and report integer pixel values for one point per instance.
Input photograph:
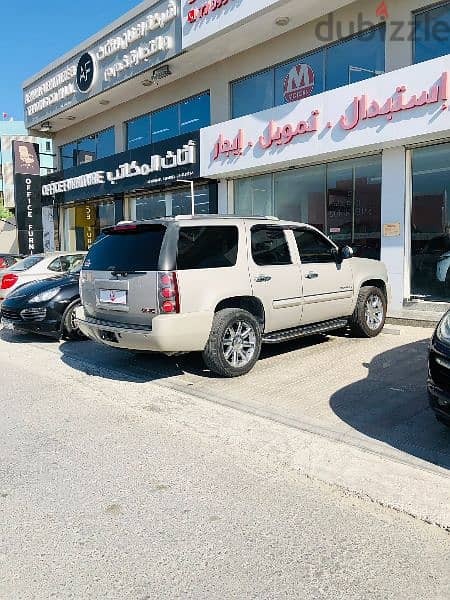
(168, 333)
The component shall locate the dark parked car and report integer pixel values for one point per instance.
(46, 307)
(439, 371)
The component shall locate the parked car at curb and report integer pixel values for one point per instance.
(439, 371)
(7, 261)
(37, 267)
(45, 307)
(223, 286)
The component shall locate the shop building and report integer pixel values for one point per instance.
(334, 113)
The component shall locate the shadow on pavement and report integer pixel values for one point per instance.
(23, 337)
(125, 365)
(391, 405)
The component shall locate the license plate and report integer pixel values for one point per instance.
(7, 324)
(113, 297)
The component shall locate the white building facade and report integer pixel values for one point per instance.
(333, 113)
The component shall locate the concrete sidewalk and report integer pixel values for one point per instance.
(358, 409)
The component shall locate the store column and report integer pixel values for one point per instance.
(395, 219)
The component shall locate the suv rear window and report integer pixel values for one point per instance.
(210, 247)
(134, 249)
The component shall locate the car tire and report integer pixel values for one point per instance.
(69, 330)
(234, 344)
(370, 312)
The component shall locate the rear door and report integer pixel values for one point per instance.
(327, 283)
(119, 280)
(275, 277)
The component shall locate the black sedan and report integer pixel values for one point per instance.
(439, 371)
(46, 307)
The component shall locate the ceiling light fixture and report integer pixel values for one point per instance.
(46, 126)
(147, 82)
(71, 118)
(103, 102)
(282, 21)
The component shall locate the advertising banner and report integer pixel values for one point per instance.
(154, 166)
(145, 41)
(27, 194)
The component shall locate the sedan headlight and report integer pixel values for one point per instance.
(443, 331)
(45, 296)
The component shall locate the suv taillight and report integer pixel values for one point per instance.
(168, 295)
(9, 280)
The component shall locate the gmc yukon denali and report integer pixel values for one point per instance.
(223, 286)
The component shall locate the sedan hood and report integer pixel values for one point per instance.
(33, 288)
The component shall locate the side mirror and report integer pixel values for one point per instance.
(345, 253)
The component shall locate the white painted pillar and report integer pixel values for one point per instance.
(396, 209)
(222, 199)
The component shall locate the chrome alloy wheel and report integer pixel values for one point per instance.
(239, 344)
(374, 312)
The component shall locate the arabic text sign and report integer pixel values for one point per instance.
(154, 166)
(384, 111)
(145, 41)
(202, 19)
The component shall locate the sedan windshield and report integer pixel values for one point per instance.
(27, 263)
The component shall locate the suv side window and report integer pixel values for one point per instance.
(269, 246)
(212, 247)
(312, 247)
(55, 265)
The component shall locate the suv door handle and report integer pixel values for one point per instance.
(312, 275)
(262, 278)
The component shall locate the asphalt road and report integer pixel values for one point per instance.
(115, 489)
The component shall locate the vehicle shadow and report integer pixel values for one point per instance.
(23, 337)
(391, 405)
(126, 365)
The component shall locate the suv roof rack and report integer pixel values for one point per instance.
(217, 216)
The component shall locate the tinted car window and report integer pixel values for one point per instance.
(312, 247)
(55, 265)
(27, 263)
(127, 250)
(270, 247)
(207, 247)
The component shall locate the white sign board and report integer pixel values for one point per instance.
(398, 108)
(145, 41)
(202, 19)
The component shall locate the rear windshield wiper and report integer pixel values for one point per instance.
(124, 273)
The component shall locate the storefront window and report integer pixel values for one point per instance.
(342, 199)
(300, 195)
(177, 201)
(88, 149)
(253, 93)
(165, 124)
(82, 224)
(432, 33)
(254, 196)
(185, 116)
(195, 113)
(138, 132)
(353, 59)
(430, 223)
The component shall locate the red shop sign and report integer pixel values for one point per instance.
(207, 7)
(298, 83)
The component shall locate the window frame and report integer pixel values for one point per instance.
(150, 114)
(323, 49)
(422, 11)
(76, 142)
(283, 229)
(333, 247)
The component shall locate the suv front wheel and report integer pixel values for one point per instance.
(370, 313)
(234, 343)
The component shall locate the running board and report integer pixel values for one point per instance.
(297, 332)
